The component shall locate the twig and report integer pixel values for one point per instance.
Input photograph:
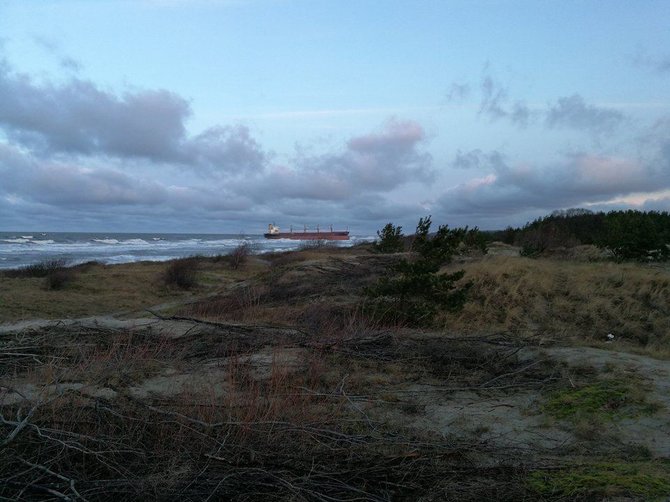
(19, 426)
(535, 363)
(59, 476)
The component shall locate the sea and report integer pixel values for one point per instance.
(18, 249)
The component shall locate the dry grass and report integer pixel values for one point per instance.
(566, 300)
(105, 289)
(98, 290)
(293, 285)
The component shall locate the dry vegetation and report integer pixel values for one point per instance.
(568, 301)
(274, 380)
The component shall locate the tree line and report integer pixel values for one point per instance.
(628, 235)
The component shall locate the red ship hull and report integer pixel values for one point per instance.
(310, 236)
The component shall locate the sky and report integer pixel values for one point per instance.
(225, 115)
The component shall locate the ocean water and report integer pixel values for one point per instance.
(23, 248)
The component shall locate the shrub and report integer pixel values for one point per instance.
(181, 273)
(414, 291)
(58, 278)
(543, 237)
(239, 256)
(390, 239)
(41, 269)
(476, 239)
(55, 272)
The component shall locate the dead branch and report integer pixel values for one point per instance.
(520, 370)
(18, 426)
(59, 476)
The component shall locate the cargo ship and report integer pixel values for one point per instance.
(331, 235)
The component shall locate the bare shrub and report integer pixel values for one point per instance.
(181, 273)
(239, 256)
(41, 269)
(55, 272)
(58, 278)
(242, 304)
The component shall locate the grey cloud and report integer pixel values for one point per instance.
(458, 92)
(493, 99)
(520, 114)
(70, 64)
(229, 145)
(46, 43)
(384, 160)
(576, 180)
(67, 185)
(573, 112)
(659, 64)
(73, 186)
(495, 105)
(509, 193)
(79, 118)
(63, 184)
(476, 159)
(375, 162)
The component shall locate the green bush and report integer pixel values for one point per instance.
(414, 291)
(390, 239)
(475, 239)
(58, 278)
(181, 273)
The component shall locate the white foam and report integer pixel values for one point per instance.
(16, 241)
(134, 241)
(45, 241)
(26, 236)
(131, 258)
(106, 241)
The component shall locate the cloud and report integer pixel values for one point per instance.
(375, 162)
(47, 44)
(229, 148)
(52, 47)
(458, 92)
(78, 117)
(494, 103)
(659, 64)
(493, 99)
(573, 112)
(66, 184)
(512, 193)
(70, 64)
(73, 148)
(575, 180)
(366, 168)
(476, 159)
(520, 114)
(72, 185)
